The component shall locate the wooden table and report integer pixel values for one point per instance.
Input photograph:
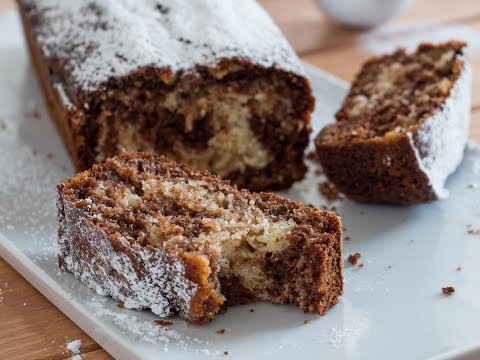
(31, 327)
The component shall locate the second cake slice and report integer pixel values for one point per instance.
(155, 234)
(402, 128)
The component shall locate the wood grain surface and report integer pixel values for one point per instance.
(32, 328)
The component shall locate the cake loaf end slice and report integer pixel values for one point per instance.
(117, 76)
(154, 234)
(402, 128)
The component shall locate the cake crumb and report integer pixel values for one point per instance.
(327, 208)
(221, 331)
(361, 265)
(306, 321)
(226, 353)
(312, 155)
(459, 268)
(252, 310)
(472, 231)
(347, 238)
(352, 259)
(448, 290)
(163, 322)
(121, 306)
(35, 114)
(49, 156)
(3, 126)
(328, 190)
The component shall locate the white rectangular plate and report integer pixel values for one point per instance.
(392, 307)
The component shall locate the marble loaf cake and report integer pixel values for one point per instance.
(212, 83)
(402, 128)
(154, 234)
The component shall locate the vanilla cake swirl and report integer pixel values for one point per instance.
(156, 235)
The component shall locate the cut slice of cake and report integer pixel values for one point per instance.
(154, 234)
(403, 127)
(211, 83)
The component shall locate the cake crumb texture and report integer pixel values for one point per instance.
(155, 234)
(225, 94)
(402, 128)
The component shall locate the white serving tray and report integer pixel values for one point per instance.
(392, 307)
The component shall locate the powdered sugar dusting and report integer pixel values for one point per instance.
(445, 134)
(338, 337)
(114, 37)
(154, 278)
(74, 347)
(145, 331)
(63, 96)
(31, 189)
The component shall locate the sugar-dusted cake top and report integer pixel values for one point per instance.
(96, 40)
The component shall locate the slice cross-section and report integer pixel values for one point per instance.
(402, 128)
(154, 234)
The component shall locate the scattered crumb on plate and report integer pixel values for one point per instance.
(163, 322)
(353, 258)
(327, 208)
(328, 190)
(472, 231)
(448, 290)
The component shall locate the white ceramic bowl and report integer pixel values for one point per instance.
(362, 13)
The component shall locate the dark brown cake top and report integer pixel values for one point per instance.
(97, 40)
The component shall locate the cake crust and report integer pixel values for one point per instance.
(185, 273)
(401, 149)
(172, 102)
